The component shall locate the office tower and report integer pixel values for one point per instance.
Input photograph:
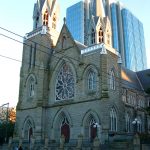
(134, 43)
(127, 30)
(75, 19)
(128, 37)
(82, 15)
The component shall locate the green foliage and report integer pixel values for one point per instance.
(6, 131)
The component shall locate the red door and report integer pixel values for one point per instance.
(65, 130)
(93, 131)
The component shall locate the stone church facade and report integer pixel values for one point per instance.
(69, 89)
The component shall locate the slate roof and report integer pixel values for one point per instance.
(144, 77)
(130, 79)
(135, 80)
(80, 45)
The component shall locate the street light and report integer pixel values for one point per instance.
(96, 125)
(136, 122)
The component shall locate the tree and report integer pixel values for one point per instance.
(7, 125)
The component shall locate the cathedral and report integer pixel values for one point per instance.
(71, 90)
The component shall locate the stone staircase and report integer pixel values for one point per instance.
(121, 145)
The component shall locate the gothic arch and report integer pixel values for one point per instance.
(59, 114)
(59, 65)
(54, 76)
(89, 114)
(62, 125)
(90, 69)
(91, 125)
(113, 114)
(28, 128)
(112, 78)
(31, 75)
(90, 66)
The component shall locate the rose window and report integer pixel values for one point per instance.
(65, 83)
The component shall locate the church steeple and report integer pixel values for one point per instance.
(46, 12)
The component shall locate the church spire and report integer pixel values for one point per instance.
(46, 13)
(96, 8)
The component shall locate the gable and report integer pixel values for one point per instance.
(65, 40)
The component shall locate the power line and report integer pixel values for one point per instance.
(38, 66)
(117, 78)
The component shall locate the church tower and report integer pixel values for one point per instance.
(46, 13)
(34, 73)
(99, 27)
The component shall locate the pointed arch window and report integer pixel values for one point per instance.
(65, 129)
(54, 21)
(93, 36)
(112, 80)
(28, 130)
(31, 87)
(113, 120)
(91, 80)
(45, 19)
(128, 122)
(65, 83)
(101, 35)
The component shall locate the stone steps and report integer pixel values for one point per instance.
(121, 145)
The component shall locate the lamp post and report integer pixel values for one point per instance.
(96, 125)
(135, 122)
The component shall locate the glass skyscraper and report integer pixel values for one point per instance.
(75, 19)
(127, 30)
(128, 37)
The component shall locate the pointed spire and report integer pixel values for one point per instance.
(64, 20)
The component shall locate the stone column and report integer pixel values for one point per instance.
(62, 142)
(20, 141)
(96, 144)
(79, 143)
(10, 143)
(136, 142)
(32, 143)
(46, 143)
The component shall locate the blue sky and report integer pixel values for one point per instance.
(16, 15)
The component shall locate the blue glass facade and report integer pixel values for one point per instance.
(75, 21)
(134, 43)
(115, 38)
(128, 37)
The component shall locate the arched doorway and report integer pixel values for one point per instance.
(93, 130)
(65, 129)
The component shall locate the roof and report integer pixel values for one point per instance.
(130, 79)
(144, 77)
(136, 80)
(80, 45)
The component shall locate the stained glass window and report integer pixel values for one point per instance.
(65, 83)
